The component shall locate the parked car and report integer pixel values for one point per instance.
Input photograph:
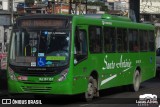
(158, 63)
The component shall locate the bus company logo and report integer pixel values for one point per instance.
(147, 100)
(14, 101)
(106, 23)
(6, 101)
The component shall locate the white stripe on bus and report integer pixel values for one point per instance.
(108, 79)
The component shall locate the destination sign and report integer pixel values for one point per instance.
(42, 23)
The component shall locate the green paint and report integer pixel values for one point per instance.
(106, 65)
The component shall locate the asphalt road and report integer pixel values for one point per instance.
(114, 97)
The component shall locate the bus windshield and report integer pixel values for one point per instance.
(40, 48)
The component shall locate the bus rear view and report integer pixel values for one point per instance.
(39, 55)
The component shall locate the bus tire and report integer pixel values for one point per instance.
(136, 81)
(92, 89)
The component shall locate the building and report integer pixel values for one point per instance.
(150, 6)
(5, 30)
(15, 4)
(150, 12)
(4, 5)
(119, 7)
(5, 23)
(47, 7)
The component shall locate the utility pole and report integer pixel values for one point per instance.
(53, 6)
(70, 6)
(11, 10)
(60, 6)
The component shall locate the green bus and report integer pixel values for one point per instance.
(74, 54)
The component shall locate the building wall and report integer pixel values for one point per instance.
(149, 6)
(15, 3)
(122, 5)
(5, 23)
(4, 5)
(5, 20)
(117, 0)
(158, 38)
(149, 10)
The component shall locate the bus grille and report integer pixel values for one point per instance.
(25, 71)
(37, 73)
(36, 89)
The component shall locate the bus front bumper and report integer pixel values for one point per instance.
(63, 87)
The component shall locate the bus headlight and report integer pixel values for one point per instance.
(11, 74)
(63, 75)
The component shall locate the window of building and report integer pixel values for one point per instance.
(147, 17)
(38, 11)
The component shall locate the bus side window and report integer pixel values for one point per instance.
(122, 40)
(109, 39)
(133, 40)
(143, 40)
(80, 45)
(95, 39)
(151, 41)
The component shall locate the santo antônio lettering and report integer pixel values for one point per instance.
(123, 63)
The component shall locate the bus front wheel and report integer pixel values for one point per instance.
(92, 89)
(136, 81)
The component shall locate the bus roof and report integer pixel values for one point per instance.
(112, 21)
(108, 17)
(96, 19)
